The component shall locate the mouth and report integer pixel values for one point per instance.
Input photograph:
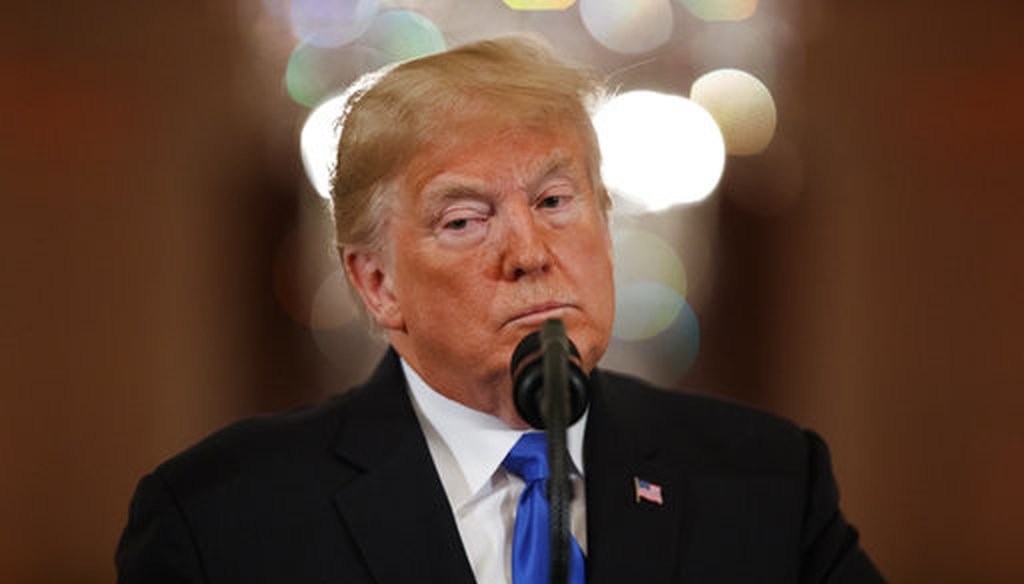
(538, 313)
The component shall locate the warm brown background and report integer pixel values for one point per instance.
(149, 179)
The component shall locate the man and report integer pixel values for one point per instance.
(469, 210)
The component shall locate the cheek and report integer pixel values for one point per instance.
(437, 282)
(601, 275)
(589, 266)
(592, 254)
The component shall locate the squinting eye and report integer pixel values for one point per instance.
(550, 202)
(457, 224)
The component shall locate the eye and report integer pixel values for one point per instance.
(556, 194)
(457, 224)
(462, 222)
(551, 202)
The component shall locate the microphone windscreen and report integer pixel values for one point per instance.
(527, 373)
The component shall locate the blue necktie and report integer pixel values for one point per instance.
(531, 553)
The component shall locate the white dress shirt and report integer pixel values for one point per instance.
(467, 447)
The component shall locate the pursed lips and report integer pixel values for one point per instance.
(539, 312)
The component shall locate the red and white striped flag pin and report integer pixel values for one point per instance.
(647, 491)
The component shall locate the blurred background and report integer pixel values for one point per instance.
(838, 238)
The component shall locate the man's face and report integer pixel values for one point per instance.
(497, 229)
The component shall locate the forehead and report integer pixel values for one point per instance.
(495, 153)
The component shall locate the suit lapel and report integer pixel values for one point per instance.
(629, 540)
(396, 509)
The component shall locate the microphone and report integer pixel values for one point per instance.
(528, 375)
(549, 390)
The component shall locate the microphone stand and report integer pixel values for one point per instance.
(555, 354)
(550, 392)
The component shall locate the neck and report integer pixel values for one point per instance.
(490, 394)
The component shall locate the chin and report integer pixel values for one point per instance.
(591, 344)
(591, 341)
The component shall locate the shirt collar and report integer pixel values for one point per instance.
(478, 441)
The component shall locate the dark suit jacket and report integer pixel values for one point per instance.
(347, 493)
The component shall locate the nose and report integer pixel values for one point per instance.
(526, 251)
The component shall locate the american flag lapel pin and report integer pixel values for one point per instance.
(647, 491)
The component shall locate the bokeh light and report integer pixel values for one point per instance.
(741, 105)
(350, 347)
(643, 256)
(664, 358)
(319, 143)
(332, 304)
(659, 149)
(644, 309)
(316, 72)
(539, 4)
(306, 77)
(650, 284)
(400, 35)
(720, 10)
(331, 23)
(630, 27)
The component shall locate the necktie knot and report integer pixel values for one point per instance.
(528, 459)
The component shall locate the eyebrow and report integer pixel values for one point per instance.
(555, 163)
(455, 186)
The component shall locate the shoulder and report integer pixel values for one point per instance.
(713, 414)
(259, 447)
(293, 443)
(706, 431)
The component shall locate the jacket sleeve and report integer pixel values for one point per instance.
(157, 546)
(830, 549)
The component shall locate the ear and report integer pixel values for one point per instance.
(370, 273)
